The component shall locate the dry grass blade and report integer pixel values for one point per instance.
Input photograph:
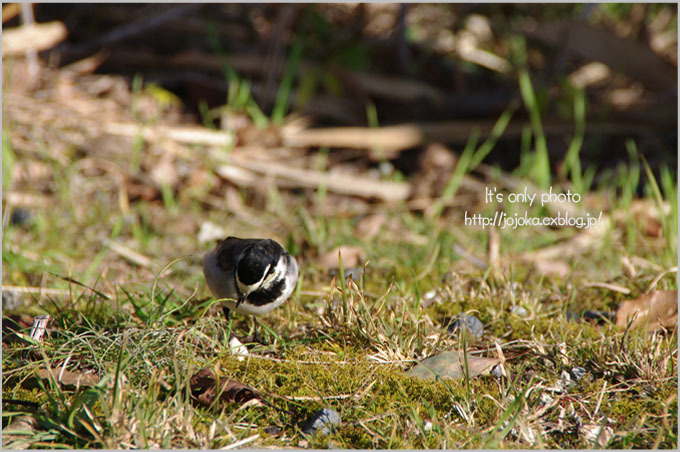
(610, 286)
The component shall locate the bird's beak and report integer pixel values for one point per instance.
(241, 298)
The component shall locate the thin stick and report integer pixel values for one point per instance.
(599, 399)
(242, 442)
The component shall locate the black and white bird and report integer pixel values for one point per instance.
(253, 276)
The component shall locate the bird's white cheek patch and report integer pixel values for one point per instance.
(277, 274)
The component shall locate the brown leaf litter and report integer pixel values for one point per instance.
(655, 310)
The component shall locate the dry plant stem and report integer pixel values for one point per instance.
(656, 280)
(274, 62)
(143, 25)
(344, 184)
(394, 139)
(242, 442)
(604, 285)
(396, 88)
(38, 290)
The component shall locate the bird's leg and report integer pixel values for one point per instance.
(256, 337)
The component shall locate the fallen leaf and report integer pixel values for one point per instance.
(656, 310)
(436, 163)
(594, 433)
(369, 226)
(552, 267)
(204, 390)
(451, 365)
(16, 435)
(352, 256)
(67, 377)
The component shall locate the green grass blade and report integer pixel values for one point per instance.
(541, 168)
(283, 94)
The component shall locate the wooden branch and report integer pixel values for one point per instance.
(181, 134)
(32, 37)
(338, 183)
(393, 139)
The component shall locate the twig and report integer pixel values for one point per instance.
(140, 26)
(128, 253)
(242, 442)
(181, 134)
(38, 290)
(659, 276)
(338, 183)
(599, 399)
(604, 285)
(394, 139)
(274, 61)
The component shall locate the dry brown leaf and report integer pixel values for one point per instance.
(165, 172)
(352, 256)
(552, 267)
(436, 163)
(17, 430)
(451, 365)
(369, 226)
(67, 377)
(647, 212)
(656, 310)
(204, 390)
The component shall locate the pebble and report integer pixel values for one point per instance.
(578, 372)
(497, 371)
(11, 300)
(429, 297)
(472, 324)
(20, 217)
(324, 421)
(519, 310)
(598, 317)
(354, 272)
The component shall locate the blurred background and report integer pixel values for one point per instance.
(135, 134)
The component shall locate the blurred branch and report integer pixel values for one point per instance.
(70, 52)
(625, 55)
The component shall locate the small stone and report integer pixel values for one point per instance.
(565, 382)
(429, 297)
(238, 348)
(578, 372)
(472, 324)
(546, 399)
(598, 317)
(519, 310)
(11, 300)
(354, 272)
(324, 421)
(20, 217)
(497, 371)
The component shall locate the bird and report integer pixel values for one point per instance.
(252, 276)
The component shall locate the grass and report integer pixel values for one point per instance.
(148, 338)
(145, 330)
